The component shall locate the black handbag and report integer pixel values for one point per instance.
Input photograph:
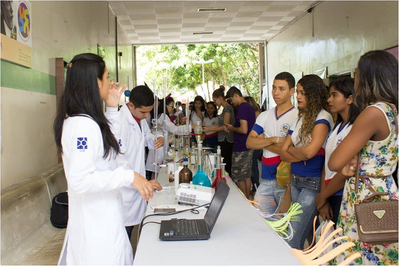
(59, 210)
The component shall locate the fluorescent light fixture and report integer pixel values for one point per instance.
(211, 9)
(198, 33)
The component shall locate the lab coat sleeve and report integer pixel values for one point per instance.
(87, 172)
(120, 129)
(115, 120)
(179, 130)
(148, 136)
(170, 126)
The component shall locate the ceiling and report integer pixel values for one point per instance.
(174, 22)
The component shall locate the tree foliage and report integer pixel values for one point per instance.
(235, 64)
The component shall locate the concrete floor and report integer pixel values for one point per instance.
(49, 255)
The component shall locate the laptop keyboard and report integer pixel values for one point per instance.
(186, 227)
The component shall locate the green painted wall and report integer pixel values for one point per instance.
(18, 77)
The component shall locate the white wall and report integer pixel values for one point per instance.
(343, 31)
(59, 29)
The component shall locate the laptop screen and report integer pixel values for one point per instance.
(216, 205)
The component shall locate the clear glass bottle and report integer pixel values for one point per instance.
(198, 131)
(193, 156)
(187, 148)
(218, 171)
(185, 175)
(200, 177)
(171, 177)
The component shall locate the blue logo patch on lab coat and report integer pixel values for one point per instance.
(81, 143)
(119, 142)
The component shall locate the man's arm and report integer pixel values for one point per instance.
(242, 129)
(259, 141)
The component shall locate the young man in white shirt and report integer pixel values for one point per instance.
(269, 133)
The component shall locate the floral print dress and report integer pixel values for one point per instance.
(378, 160)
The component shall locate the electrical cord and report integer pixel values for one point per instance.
(193, 210)
(151, 222)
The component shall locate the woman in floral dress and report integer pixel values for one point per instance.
(372, 143)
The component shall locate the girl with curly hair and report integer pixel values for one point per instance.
(305, 149)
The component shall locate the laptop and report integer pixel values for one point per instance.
(196, 229)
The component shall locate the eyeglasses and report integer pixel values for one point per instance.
(170, 106)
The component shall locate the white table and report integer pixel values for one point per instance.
(240, 237)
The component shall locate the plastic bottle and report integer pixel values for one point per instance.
(185, 175)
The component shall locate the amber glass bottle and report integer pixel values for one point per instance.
(185, 175)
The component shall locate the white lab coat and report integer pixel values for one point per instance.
(168, 127)
(132, 140)
(95, 233)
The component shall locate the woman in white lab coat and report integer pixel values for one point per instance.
(95, 233)
(168, 127)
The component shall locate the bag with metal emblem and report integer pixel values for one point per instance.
(377, 222)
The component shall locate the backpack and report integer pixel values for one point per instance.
(59, 210)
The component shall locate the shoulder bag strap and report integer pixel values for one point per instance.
(357, 174)
(358, 177)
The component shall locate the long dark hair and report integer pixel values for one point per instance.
(317, 99)
(161, 107)
(82, 98)
(345, 85)
(378, 78)
(203, 105)
(215, 114)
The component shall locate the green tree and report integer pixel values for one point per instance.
(173, 66)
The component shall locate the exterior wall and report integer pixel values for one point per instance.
(343, 31)
(28, 96)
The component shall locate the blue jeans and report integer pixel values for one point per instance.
(270, 195)
(303, 191)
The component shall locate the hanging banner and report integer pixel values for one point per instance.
(16, 29)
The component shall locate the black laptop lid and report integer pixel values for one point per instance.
(216, 205)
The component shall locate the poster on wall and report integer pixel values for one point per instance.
(16, 32)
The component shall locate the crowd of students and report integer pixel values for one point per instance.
(324, 138)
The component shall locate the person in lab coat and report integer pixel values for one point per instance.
(95, 233)
(132, 131)
(167, 128)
